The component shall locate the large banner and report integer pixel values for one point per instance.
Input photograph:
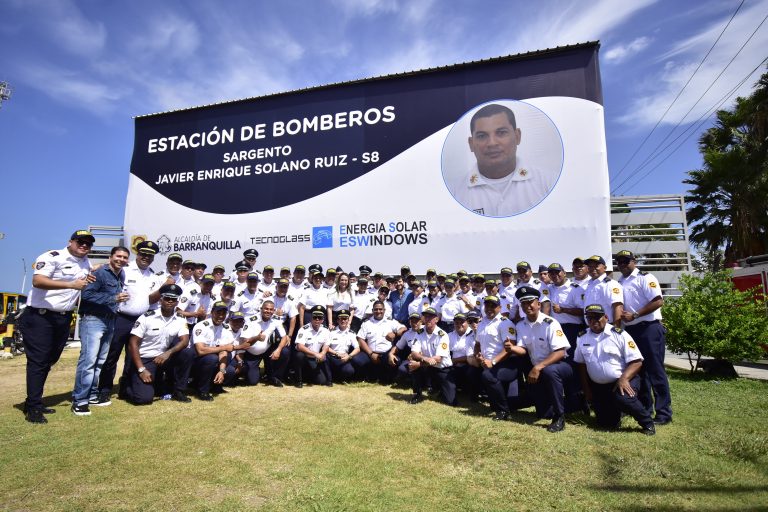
(474, 166)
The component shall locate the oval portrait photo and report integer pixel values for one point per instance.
(502, 158)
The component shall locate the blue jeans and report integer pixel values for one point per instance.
(95, 338)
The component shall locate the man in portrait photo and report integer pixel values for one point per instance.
(501, 183)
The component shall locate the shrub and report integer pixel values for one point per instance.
(714, 319)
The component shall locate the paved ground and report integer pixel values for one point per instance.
(756, 370)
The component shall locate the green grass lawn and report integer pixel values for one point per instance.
(362, 447)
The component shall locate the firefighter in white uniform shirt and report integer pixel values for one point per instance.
(398, 354)
(603, 290)
(609, 363)
(171, 274)
(312, 350)
(143, 288)
(263, 336)
(213, 341)
(248, 301)
(158, 344)
(500, 184)
(342, 347)
(58, 279)
(431, 356)
(642, 320)
(376, 337)
(541, 338)
(449, 306)
(499, 368)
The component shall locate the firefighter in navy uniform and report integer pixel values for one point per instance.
(157, 345)
(642, 320)
(58, 279)
(609, 363)
(143, 288)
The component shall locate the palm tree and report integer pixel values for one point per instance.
(727, 199)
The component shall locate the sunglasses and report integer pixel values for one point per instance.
(84, 243)
(170, 299)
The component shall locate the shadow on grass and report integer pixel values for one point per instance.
(50, 400)
(614, 468)
(699, 376)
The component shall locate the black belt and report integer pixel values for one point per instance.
(44, 311)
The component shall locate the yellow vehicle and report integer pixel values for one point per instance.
(10, 306)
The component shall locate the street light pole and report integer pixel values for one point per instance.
(24, 281)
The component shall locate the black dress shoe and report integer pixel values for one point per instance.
(329, 384)
(181, 397)
(415, 399)
(649, 430)
(205, 397)
(501, 416)
(662, 421)
(557, 425)
(35, 416)
(277, 383)
(299, 384)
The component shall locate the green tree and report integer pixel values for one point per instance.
(727, 200)
(714, 319)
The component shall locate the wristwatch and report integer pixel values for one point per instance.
(222, 370)
(142, 369)
(634, 316)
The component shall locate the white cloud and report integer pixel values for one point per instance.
(70, 88)
(619, 53)
(167, 36)
(366, 8)
(68, 28)
(657, 93)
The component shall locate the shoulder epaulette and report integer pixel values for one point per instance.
(574, 285)
(241, 293)
(581, 333)
(54, 253)
(440, 333)
(151, 271)
(536, 281)
(226, 326)
(160, 273)
(193, 292)
(150, 312)
(289, 297)
(643, 273)
(254, 318)
(617, 330)
(306, 326)
(607, 279)
(206, 323)
(547, 320)
(421, 330)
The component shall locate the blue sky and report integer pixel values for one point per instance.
(80, 70)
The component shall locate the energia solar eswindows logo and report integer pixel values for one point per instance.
(322, 237)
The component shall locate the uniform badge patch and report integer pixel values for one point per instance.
(511, 330)
(545, 292)
(631, 344)
(443, 346)
(198, 332)
(473, 179)
(559, 332)
(39, 265)
(183, 300)
(652, 284)
(136, 324)
(615, 290)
